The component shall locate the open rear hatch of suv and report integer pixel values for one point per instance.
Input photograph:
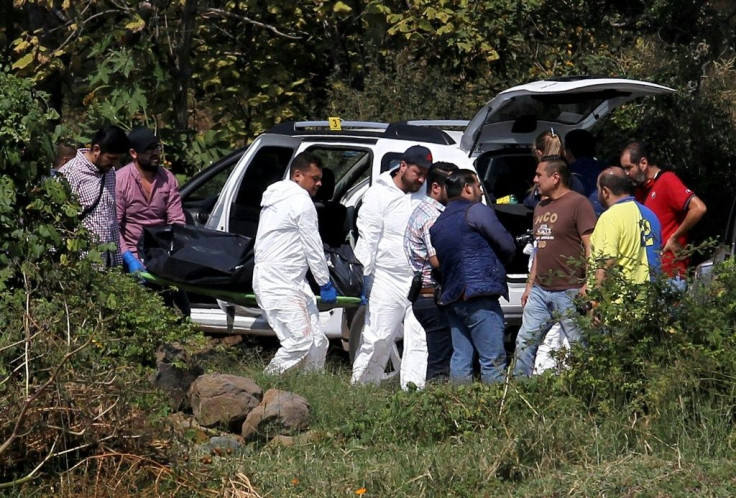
(515, 116)
(502, 132)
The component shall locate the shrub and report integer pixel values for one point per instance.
(655, 347)
(74, 338)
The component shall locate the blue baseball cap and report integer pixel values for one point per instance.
(419, 155)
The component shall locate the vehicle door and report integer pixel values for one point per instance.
(200, 193)
(346, 169)
(517, 115)
(265, 162)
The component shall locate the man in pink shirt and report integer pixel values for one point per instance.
(146, 195)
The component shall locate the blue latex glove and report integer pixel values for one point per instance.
(132, 263)
(328, 293)
(366, 293)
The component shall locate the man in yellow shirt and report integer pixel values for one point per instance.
(627, 235)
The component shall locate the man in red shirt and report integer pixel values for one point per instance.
(676, 206)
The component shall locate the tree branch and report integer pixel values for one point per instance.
(27, 403)
(223, 13)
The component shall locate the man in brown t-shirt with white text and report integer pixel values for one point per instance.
(563, 222)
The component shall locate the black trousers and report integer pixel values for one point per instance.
(439, 339)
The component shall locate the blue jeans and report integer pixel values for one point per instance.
(543, 309)
(477, 325)
(678, 284)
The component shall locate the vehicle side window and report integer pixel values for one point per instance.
(267, 166)
(343, 169)
(212, 186)
(390, 161)
(349, 165)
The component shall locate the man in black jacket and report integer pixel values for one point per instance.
(473, 248)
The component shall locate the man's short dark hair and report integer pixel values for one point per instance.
(618, 184)
(580, 143)
(111, 140)
(638, 150)
(457, 180)
(439, 172)
(303, 161)
(557, 164)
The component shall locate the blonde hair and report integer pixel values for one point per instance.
(548, 143)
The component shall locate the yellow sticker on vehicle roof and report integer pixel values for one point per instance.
(335, 124)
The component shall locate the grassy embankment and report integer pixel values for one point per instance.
(530, 439)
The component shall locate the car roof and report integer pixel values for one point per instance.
(428, 131)
(517, 115)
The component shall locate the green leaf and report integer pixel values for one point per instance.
(24, 61)
(136, 25)
(341, 8)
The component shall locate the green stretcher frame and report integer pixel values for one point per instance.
(240, 297)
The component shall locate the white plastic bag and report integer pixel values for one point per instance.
(555, 340)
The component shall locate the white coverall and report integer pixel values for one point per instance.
(287, 244)
(382, 221)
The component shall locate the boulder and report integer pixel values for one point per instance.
(281, 441)
(222, 399)
(186, 427)
(280, 413)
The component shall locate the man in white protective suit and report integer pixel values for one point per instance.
(287, 245)
(382, 221)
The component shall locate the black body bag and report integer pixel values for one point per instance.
(198, 256)
(345, 270)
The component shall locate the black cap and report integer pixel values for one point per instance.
(141, 139)
(419, 155)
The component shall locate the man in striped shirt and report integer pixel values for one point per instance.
(422, 258)
(91, 176)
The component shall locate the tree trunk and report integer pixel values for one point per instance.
(183, 64)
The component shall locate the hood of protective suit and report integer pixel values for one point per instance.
(287, 243)
(281, 192)
(382, 221)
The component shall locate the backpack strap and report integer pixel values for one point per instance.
(92, 206)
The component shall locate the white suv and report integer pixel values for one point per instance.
(356, 154)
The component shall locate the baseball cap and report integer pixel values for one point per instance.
(141, 139)
(419, 155)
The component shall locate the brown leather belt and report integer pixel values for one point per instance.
(427, 291)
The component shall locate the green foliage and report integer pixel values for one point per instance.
(36, 213)
(656, 347)
(392, 92)
(74, 337)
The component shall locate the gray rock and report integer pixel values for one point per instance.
(221, 445)
(280, 413)
(222, 399)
